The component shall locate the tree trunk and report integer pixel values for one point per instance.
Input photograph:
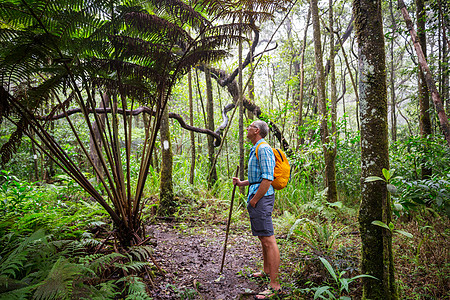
(192, 136)
(332, 189)
(241, 114)
(446, 61)
(95, 138)
(376, 241)
(423, 94)
(210, 120)
(167, 204)
(443, 119)
(330, 170)
(392, 77)
(299, 68)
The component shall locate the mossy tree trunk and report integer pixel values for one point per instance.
(167, 204)
(392, 75)
(210, 120)
(376, 241)
(192, 136)
(423, 93)
(329, 151)
(241, 113)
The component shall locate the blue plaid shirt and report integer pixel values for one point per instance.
(260, 168)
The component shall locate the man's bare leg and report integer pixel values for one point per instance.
(271, 256)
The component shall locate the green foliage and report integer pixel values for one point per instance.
(319, 237)
(26, 207)
(409, 155)
(341, 284)
(390, 227)
(184, 294)
(433, 192)
(348, 168)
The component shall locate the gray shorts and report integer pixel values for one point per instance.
(261, 216)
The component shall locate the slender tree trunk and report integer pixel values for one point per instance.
(445, 55)
(299, 68)
(49, 168)
(392, 77)
(377, 259)
(332, 189)
(330, 171)
(95, 138)
(192, 136)
(423, 94)
(167, 204)
(241, 115)
(435, 96)
(210, 120)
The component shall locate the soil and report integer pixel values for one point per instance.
(192, 255)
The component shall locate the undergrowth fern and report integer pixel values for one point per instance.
(59, 283)
(136, 289)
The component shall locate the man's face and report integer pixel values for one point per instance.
(252, 130)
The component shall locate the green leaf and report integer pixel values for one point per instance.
(381, 224)
(373, 178)
(407, 234)
(320, 291)
(337, 204)
(329, 268)
(344, 284)
(391, 226)
(363, 276)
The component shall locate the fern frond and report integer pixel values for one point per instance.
(10, 147)
(15, 260)
(133, 266)
(136, 288)
(141, 253)
(177, 10)
(59, 282)
(105, 290)
(18, 293)
(100, 262)
(159, 29)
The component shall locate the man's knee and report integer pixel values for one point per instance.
(268, 241)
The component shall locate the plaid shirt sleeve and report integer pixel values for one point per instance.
(260, 168)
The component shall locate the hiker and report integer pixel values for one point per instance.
(260, 201)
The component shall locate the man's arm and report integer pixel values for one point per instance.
(238, 182)
(262, 190)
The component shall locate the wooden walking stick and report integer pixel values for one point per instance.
(229, 221)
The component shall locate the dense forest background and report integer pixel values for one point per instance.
(119, 115)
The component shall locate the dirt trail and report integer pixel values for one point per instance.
(192, 255)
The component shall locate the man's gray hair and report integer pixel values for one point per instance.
(263, 128)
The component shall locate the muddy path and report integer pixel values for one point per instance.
(191, 256)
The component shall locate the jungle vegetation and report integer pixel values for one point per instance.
(119, 114)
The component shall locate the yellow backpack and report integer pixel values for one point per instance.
(282, 171)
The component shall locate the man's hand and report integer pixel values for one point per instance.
(253, 202)
(238, 182)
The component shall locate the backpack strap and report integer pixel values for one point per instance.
(256, 150)
(256, 153)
